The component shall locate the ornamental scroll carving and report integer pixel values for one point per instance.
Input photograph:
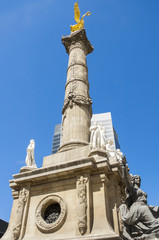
(82, 204)
(23, 196)
(74, 99)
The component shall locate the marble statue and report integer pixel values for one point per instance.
(30, 160)
(97, 137)
(139, 219)
(113, 153)
(102, 136)
(110, 152)
(80, 23)
(119, 155)
(93, 136)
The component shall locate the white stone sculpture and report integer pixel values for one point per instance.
(113, 153)
(109, 150)
(93, 137)
(102, 136)
(30, 160)
(119, 155)
(97, 138)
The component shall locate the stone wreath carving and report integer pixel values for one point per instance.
(23, 196)
(54, 222)
(77, 100)
(82, 204)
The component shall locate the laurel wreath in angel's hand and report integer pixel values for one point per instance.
(80, 22)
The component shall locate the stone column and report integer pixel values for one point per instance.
(77, 110)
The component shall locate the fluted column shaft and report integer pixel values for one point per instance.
(77, 109)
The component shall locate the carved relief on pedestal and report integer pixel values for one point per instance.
(82, 204)
(50, 213)
(23, 196)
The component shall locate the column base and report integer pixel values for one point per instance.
(71, 145)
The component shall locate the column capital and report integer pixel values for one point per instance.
(77, 37)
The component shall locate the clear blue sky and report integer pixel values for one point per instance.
(123, 76)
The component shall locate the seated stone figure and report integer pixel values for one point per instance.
(140, 220)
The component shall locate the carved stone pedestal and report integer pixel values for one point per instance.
(70, 198)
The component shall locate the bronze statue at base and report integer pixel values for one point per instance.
(139, 219)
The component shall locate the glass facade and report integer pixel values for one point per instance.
(56, 138)
(3, 227)
(104, 118)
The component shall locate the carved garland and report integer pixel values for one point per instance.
(23, 196)
(77, 100)
(82, 204)
(42, 225)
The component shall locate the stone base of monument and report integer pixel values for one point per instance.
(98, 152)
(73, 196)
(27, 169)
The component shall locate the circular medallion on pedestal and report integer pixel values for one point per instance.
(50, 213)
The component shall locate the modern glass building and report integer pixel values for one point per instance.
(57, 138)
(3, 227)
(104, 118)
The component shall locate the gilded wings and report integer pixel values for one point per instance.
(80, 23)
(77, 13)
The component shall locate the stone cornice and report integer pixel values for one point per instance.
(78, 36)
(56, 170)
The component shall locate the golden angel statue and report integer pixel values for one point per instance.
(80, 23)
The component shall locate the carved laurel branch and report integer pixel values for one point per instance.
(44, 203)
(82, 204)
(23, 196)
(74, 99)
